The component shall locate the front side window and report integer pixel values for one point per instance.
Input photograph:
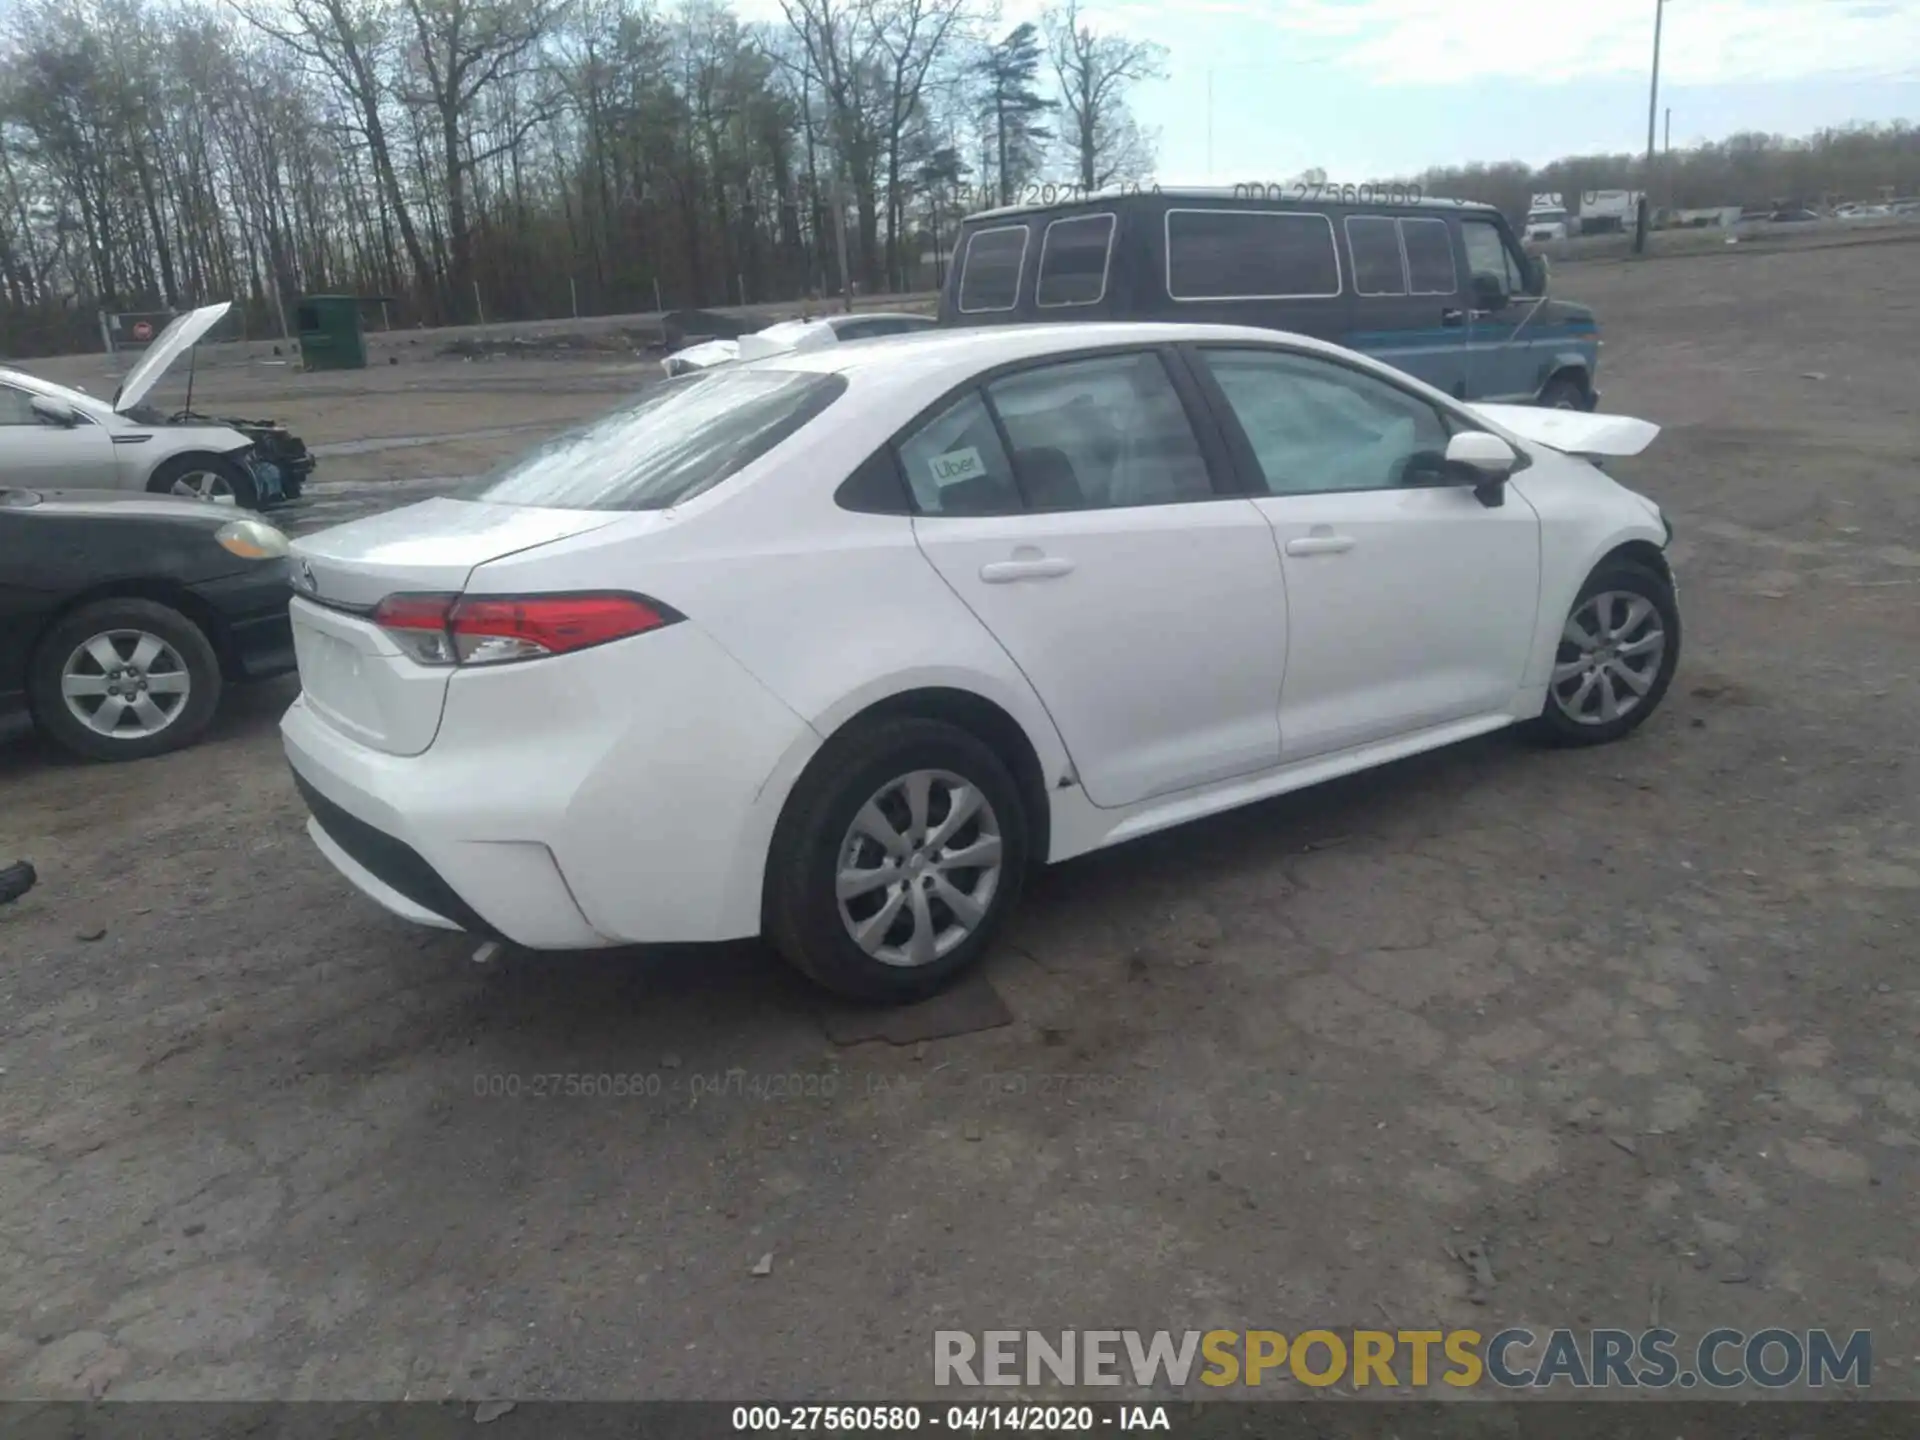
(1250, 255)
(1488, 254)
(990, 270)
(1377, 265)
(1429, 257)
(1098, 433)
(1073, 261)
(685, 436)
(1315, 426)
(16, 407)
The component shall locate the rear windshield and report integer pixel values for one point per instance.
(682, 437)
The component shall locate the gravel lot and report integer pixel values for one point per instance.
(1643, 1022)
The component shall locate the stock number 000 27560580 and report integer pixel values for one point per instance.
(961, 1418)
(1367, 193)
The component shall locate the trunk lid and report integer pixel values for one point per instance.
(353, 674)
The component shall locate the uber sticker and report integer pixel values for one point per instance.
(956, 465)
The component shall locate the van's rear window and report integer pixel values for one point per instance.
(1250, 255)
(990, 270)
(682, 437)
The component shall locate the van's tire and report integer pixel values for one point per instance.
(144, 663)
(923, 918)
(1564, 392)
(1629, 650)
(213, 478)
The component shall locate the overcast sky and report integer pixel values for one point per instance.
(1372, 88)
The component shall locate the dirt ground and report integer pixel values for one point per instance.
(1642, 1022)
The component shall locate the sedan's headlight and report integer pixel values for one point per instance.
(251, 540)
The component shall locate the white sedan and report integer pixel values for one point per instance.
(789, 336)
(834, 646)
(56, 438)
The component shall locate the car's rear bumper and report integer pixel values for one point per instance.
(572, 803)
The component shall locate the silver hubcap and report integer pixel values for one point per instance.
(919, 868)
(1610, 654)
(126, 683)
(204, 485)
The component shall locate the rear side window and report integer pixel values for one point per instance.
(684, 437)
(1429, 256)
(1250, 255)
(1073, 261)
(990, 271)
(956, 465)
(1378, 268)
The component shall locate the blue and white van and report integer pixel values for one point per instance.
(1439, 288)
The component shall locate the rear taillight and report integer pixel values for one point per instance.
(493, 629)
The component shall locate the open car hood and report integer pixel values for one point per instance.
(168, 346)
(1574, 431)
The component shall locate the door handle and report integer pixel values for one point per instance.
(1453, 317)
(1320, 545)
(1046, 567)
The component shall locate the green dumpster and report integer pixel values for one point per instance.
(330, 334)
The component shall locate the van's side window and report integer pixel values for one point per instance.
(1489, 254)
(1073, 261)
(1429, 256)
(1378, 268)
(990, 272)
(1250, 255)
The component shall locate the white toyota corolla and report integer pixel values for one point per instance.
(833, 647)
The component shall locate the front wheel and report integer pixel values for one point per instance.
(213, 478)
(899, 854)
(1616, 657)
(1563, 392)
(124, 679)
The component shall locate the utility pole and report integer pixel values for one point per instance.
(1653, 114)
(1209, 125)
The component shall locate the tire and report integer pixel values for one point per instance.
(1563, 392)
(205, 477)
(1575, 712)
(70, 657)
(928, 942)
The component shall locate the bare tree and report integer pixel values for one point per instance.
(1094, 73)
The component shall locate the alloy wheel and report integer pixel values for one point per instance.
(127, 684)
(205, 485)
(1609, 657)
(919, 867)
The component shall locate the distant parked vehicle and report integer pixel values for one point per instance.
(1797, 215)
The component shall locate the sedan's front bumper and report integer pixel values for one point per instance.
(255, 631)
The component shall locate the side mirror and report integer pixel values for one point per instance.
(1483, 461)
(55, 412)
(1489, 291)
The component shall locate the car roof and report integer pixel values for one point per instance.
(92, 404)
(1250, 194)
(948, 354)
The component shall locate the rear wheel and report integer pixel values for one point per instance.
(1616, 657)
(899, 854)
(124, 679)
(213, 478)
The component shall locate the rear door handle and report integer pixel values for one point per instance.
(1320, 545)
(1453, 317)
(1005, 572)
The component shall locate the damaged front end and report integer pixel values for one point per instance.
(279, 460)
